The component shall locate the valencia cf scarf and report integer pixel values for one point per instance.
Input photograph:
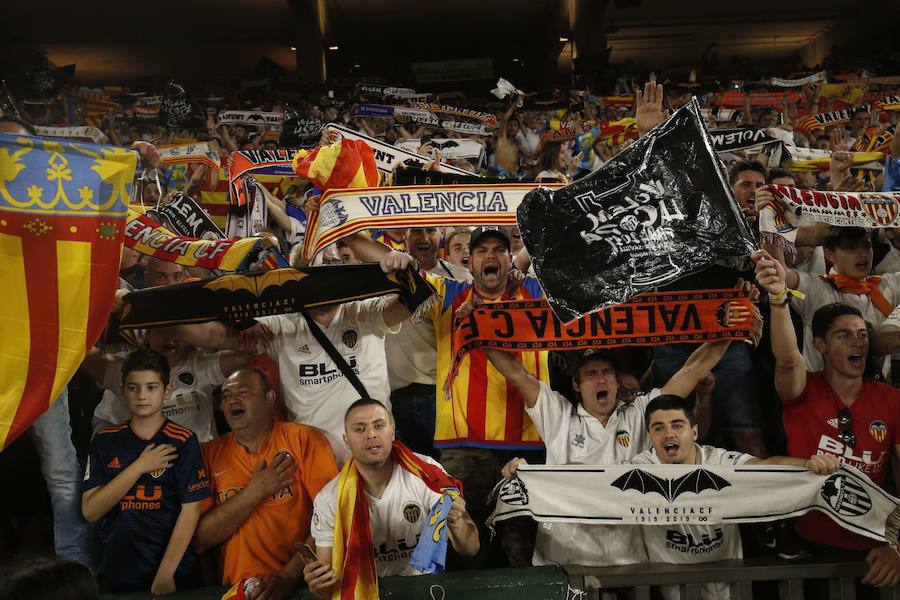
(654, 494)
(820, 76)
(647, 320)
(262, 162)
(814, 160)
(345, 212)
(793, 206)
(152, 239)
(353, 556)
(387, 156)
(279, 291)
(87, 133)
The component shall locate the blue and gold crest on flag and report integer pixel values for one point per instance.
(62, 215)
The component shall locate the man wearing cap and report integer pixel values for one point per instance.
(482, 423)
(411, 353)
(598, 430)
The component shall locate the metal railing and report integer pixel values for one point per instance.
(637, 580)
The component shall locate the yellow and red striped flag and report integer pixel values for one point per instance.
(62, 217)
(96, 107)
(343, 164)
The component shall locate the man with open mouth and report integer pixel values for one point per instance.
(482, 423)
(673, 438)
(264, 475)
(836, 410)
(849, 249)
(599, 429)
(411, 353)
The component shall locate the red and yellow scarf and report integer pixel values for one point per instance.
(353, 556)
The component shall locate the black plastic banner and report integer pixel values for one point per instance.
(658, 211)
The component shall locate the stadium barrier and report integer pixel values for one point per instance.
(786, 579)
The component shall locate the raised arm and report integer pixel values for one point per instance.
(790, 366)
(511, 368)
(696, 368)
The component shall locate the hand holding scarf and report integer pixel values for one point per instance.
(353, 556)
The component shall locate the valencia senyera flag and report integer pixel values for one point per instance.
(62, 215)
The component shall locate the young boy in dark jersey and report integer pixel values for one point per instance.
(144, 483)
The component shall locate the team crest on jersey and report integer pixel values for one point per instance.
(846, 496)
(186, 378)
(412, 512)
(578, 440)
(157, 473)
(350, 338)
(878, 430)
(623, 438)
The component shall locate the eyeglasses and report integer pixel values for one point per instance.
(845, 423)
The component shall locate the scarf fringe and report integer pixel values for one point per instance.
(773, 239)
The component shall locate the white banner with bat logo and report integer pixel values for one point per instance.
(689, 494)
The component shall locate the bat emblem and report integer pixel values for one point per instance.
(255, 284)
(445, 145)
(646, 483)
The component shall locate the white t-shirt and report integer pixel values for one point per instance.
(684, 544)
(412, 353)
(890, 263)
(573, 436)
(815, 265)
(396, 519)
(316, 392)
(819, 293)
(190, 405)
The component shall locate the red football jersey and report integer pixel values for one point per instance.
(811, 424)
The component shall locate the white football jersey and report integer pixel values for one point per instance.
(573, 436)
(315, 391)
(397, 519)
(689, 544)
(194, 381)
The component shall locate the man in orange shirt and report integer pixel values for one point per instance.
(264, 476)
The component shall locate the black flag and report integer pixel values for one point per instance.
(659, 210)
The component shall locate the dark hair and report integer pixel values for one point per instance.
(146, 360)
(828, 314)
(592, 355)
(669, 402)
(548, 159)
(47, 578)
(367, 402)
(745, 165)
(20, 122)
(844, 237)
(778, 173)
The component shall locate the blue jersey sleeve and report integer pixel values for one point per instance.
(190, 472)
